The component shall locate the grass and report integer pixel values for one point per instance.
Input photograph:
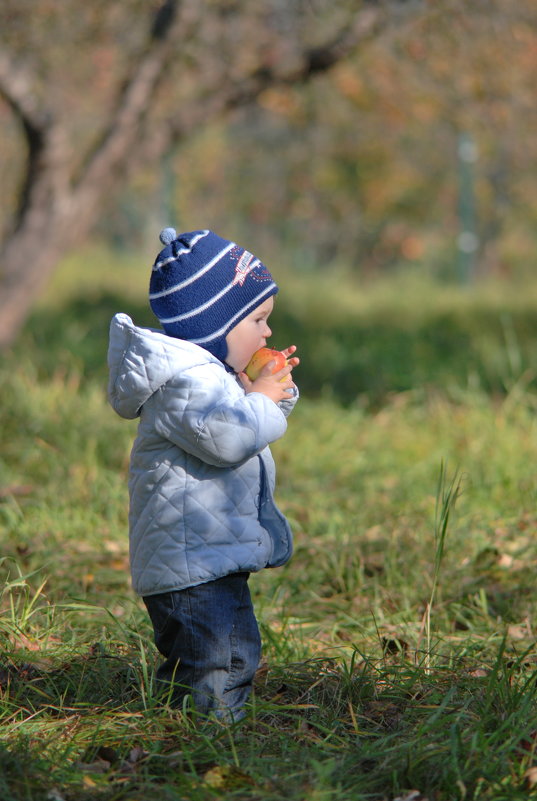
(399, 643)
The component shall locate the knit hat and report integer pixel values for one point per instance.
(202, 286)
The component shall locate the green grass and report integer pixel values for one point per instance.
(399, 643)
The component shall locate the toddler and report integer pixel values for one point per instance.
(202, 516)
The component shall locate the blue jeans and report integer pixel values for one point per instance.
(209, 637)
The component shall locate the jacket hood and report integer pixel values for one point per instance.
(141, 360)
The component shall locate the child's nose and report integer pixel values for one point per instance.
(268, 332)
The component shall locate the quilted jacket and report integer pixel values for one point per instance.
(201, 472)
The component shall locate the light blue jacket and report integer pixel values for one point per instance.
(201, 473)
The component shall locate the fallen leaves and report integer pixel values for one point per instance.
(412, 795)
(104, 758)
(530, 777)
(16, 490)
(226, 777)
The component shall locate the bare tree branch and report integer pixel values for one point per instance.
(365, 25)
(134, 102)
(233, 94)
(58, 208)
(16, 86)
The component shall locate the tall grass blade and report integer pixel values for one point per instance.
(447, 492)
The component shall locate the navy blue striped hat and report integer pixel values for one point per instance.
(202, 286)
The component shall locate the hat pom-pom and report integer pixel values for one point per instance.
(167, 235)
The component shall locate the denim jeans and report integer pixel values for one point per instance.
(209, 637)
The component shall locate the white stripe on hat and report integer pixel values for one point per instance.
(229, 325)
(195, 240)
(204, 306)
(187, 281)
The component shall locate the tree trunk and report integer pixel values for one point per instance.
(56, 212)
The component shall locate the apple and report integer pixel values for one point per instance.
(262, 357)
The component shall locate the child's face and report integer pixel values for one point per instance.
(248, 336)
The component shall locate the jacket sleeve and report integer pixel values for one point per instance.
(289, 404)
(221, 427)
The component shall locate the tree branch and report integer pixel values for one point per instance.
(236, 94)
(112, 149)
(366, 25)
(45, 179)
(16, 87)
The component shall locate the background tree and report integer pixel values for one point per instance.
(208, 109)
(102, 89)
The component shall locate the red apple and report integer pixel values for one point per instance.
(262, 357)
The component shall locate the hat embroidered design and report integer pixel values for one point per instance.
(245, 265)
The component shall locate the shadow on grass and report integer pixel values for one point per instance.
(44, 705)
(77, 336)
(348, 358)
(94, 680)
(367, 729)
(23, 773)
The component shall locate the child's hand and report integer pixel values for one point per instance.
(275, 386)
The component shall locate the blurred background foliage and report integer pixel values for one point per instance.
(360, 166)
(393, 196)
(363, 166)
